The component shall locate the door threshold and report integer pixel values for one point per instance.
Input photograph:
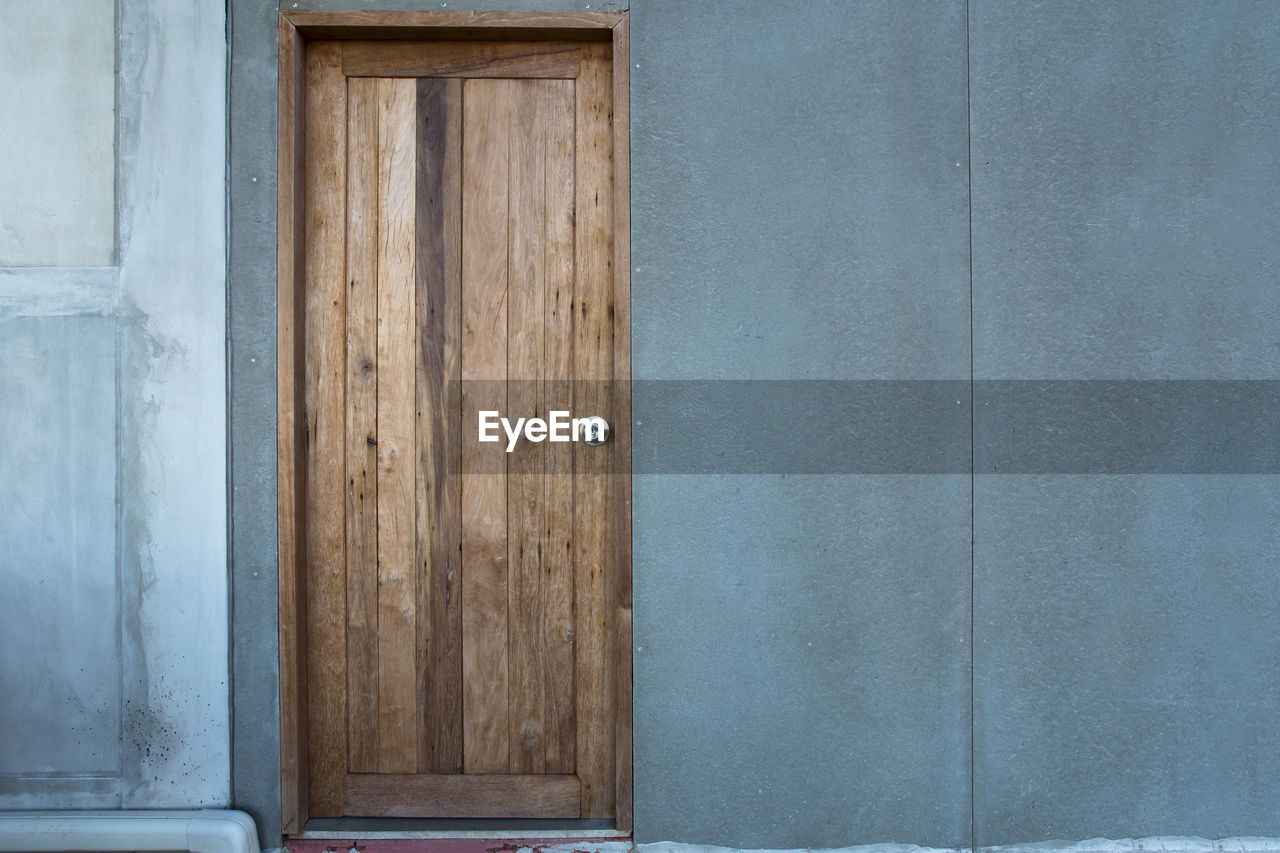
(426, 843)
(540, 831)
(461, 841)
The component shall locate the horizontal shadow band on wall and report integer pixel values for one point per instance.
(922, 426)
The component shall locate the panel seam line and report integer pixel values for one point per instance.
(973, 804)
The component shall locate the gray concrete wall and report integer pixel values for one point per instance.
(799, 185)
(1126, 202)
(113, 652)
(803, 199)
(251, 352)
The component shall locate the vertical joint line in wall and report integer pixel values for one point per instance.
(973, 639)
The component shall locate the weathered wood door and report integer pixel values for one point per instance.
(465, 646)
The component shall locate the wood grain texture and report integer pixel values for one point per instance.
(491, 796)
(460, 26)
(439, 415)
(593, 364)
(509, 584)
(522, 59)
(557, 566)
(290, 421)
(526, 263)
(397, 442)
(362, 425)
(486, 118)
(623, 815)
(326, 105)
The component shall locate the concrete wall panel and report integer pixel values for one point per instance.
(799, 190)
(57, 140)
(60, 669)
(114, 668)
(1125, 186)
(1122, 622)
(1125, 189)
(173, 460)
(801, 659)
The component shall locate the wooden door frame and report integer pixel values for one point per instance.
(296, 29)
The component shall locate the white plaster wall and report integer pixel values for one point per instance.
(57, 186)
(116, 346)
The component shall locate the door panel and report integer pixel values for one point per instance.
(463, 621)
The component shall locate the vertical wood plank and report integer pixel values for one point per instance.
(486, 123)
(396, 442)
(439, 413)
(362, 425)
(623, 788)
(593, 366)
(326, 105)
(557, 565)
(526, 298)
(291, 419)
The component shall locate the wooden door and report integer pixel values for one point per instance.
(462, 611)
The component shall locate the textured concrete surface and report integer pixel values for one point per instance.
(61, 660)
(1095, 426)
(799, 212)
(1126, 189)
(799, 190)
(116, 690)
(172, 369)
(860, 426)
(255, 653)
(1125, 202)
(57, 140)
(801, 659)
(1125, 629)
(1162, 843)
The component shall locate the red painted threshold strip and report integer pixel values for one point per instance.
(448, 845)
